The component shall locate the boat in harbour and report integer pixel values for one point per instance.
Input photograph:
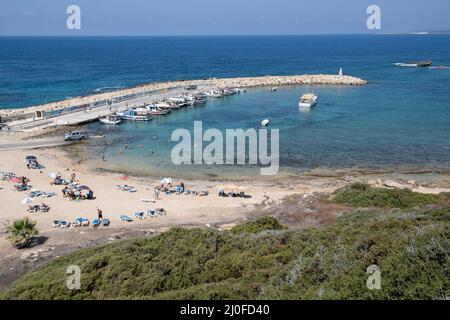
(156, 111)
(307, 100)
(112, 119)
(135, 115)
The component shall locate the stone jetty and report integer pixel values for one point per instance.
(243, 82)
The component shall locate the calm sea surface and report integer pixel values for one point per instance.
(400, 119)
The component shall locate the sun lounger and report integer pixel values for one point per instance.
(161, 211)
(49, 194)
(125, 218)
(33, 209)
(35, 193)
(96, 222)
(151, 213)
(56, 223)
(38, 207)
(81, 222)
(156, 212)
(44, 208)
(106, 222)
(126, 188)
(21, 187)
(148, 200)
(61, 224)
(64, 224)
(139, 215)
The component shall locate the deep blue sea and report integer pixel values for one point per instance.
(400, 119)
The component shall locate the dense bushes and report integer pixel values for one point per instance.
(411, 249)
(363, 195)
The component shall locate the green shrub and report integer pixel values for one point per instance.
(259, 225)
(363, 195)
(410, 248)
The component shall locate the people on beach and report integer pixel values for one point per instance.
(100, 214)
(64, 191)
(156, 194)
(73, 177)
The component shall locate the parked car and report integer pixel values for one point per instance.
(75, 136)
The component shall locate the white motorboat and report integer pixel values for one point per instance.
(307, 100)
(135, 116)
(214, 94)
(166, 106)
(156, 111)
(265, 122)
(112, 119)
(179, 101)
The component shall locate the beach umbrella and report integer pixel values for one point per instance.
(232, 187)
(27, 200)
(166, 181)
(15, 179)
(53, 175)
(83, 188)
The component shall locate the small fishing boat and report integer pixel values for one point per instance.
(273, 89)
(265, 122)
(112, 119)
(135, 116)
(307, 100)
(156, 111)
(214, 94)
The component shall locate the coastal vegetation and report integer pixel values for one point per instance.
(363, 195)
(22, 232)
(262, 259)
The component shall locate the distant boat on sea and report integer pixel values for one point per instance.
(427, 63)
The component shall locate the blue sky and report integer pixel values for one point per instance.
(213, 17)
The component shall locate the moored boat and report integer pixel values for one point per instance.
(112, 119)
(135, 116)
(307, 100)
(156, 111)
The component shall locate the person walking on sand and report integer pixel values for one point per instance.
(156, 194)
(72, 177)
(100, 214)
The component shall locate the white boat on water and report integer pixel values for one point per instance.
(214, 94)
(135, 116)
(166, 106)
(156, 111)
(112, 119)
(307, 100)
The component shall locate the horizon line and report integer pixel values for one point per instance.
(228, 35)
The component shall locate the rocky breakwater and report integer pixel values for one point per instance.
(242, 82)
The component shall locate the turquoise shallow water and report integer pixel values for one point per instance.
(400, 119)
